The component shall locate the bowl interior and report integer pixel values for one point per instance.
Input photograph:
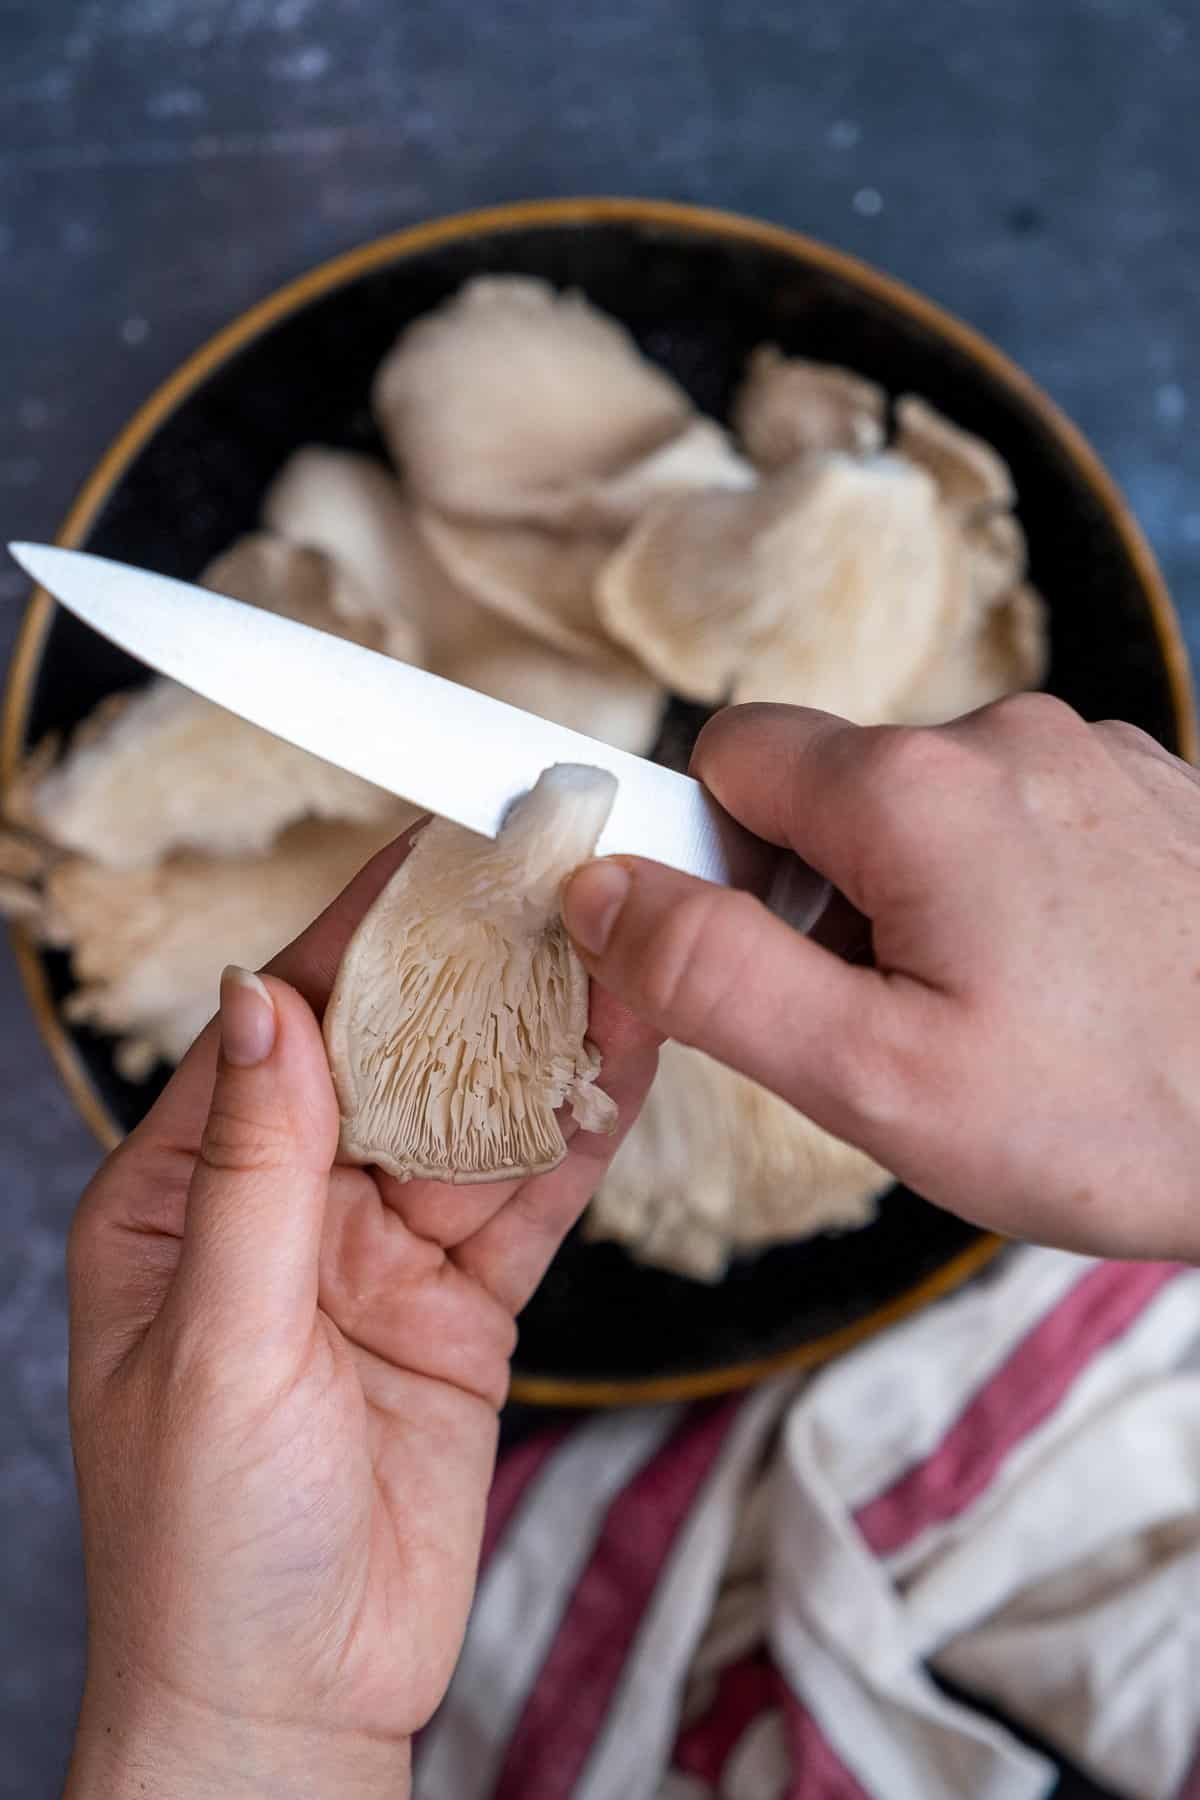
(698, 301)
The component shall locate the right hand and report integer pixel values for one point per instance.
(1026, 1050)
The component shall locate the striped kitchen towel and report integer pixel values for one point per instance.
(749, 1599)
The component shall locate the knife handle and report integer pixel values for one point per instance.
(797, 894)
(786, 886)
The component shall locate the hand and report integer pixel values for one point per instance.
(1026, 1049)
(284, 1386)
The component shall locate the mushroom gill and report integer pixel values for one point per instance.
(457, 1023)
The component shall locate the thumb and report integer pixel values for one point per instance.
(256, 1204)
(711, 967)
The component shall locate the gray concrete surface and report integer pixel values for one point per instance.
(1030, 163)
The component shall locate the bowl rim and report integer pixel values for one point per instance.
(703, 222)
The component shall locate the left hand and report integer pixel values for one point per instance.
(284, 1392)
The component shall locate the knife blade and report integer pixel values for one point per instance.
(443, 747)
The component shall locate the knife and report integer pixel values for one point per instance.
(452, 751)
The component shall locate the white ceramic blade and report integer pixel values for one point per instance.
(444, 747)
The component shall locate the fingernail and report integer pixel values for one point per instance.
(247, 1018)
(594, 896)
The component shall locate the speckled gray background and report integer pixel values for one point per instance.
(1030, 163)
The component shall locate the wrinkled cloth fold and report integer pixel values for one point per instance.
(750, 1598)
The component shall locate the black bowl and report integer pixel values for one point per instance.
(699, 290)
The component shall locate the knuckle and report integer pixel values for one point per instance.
(906, 774)
(1121, 735)
(1023, 715)
(688, 961)
(903, 759)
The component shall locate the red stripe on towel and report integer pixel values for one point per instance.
(818, 1772)
(1019, 1397)
(745, 1690)
(566, 1710)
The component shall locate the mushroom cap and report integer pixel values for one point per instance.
(787, 408)
(715, 1165)
(296, 582)
(971, 477)
(994, 638)
(1004, 652)
(614, 700)
(541, 582)
(161, 769)
(996, 556)
(545, 580)
(456, 1027)
(23, 864)
(824, 586)
(693, 586)
(877, 568)
(22, 858)
(148, 945)
(167, 770)
(701, 456)
(355, 511)
(522, 628)
(511, 400)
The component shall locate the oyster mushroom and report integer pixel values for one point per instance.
(995, 547)
(788, 408)
(511, 401)
(715, 1165)
(883, 569)
(22, 857)
(695, 584)
(824, 586)
(611, 699)
(17, 901)
(23, 863)
(161, 769)
(476, 597)
(354, 510)
(545, 580)
(298, 583)
(971, 477)
(702, 456)
(1006, 653)
(456, 1027)
(541, 582)
(994, 638)
(148, 945)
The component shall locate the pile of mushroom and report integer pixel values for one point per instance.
(561, 529)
